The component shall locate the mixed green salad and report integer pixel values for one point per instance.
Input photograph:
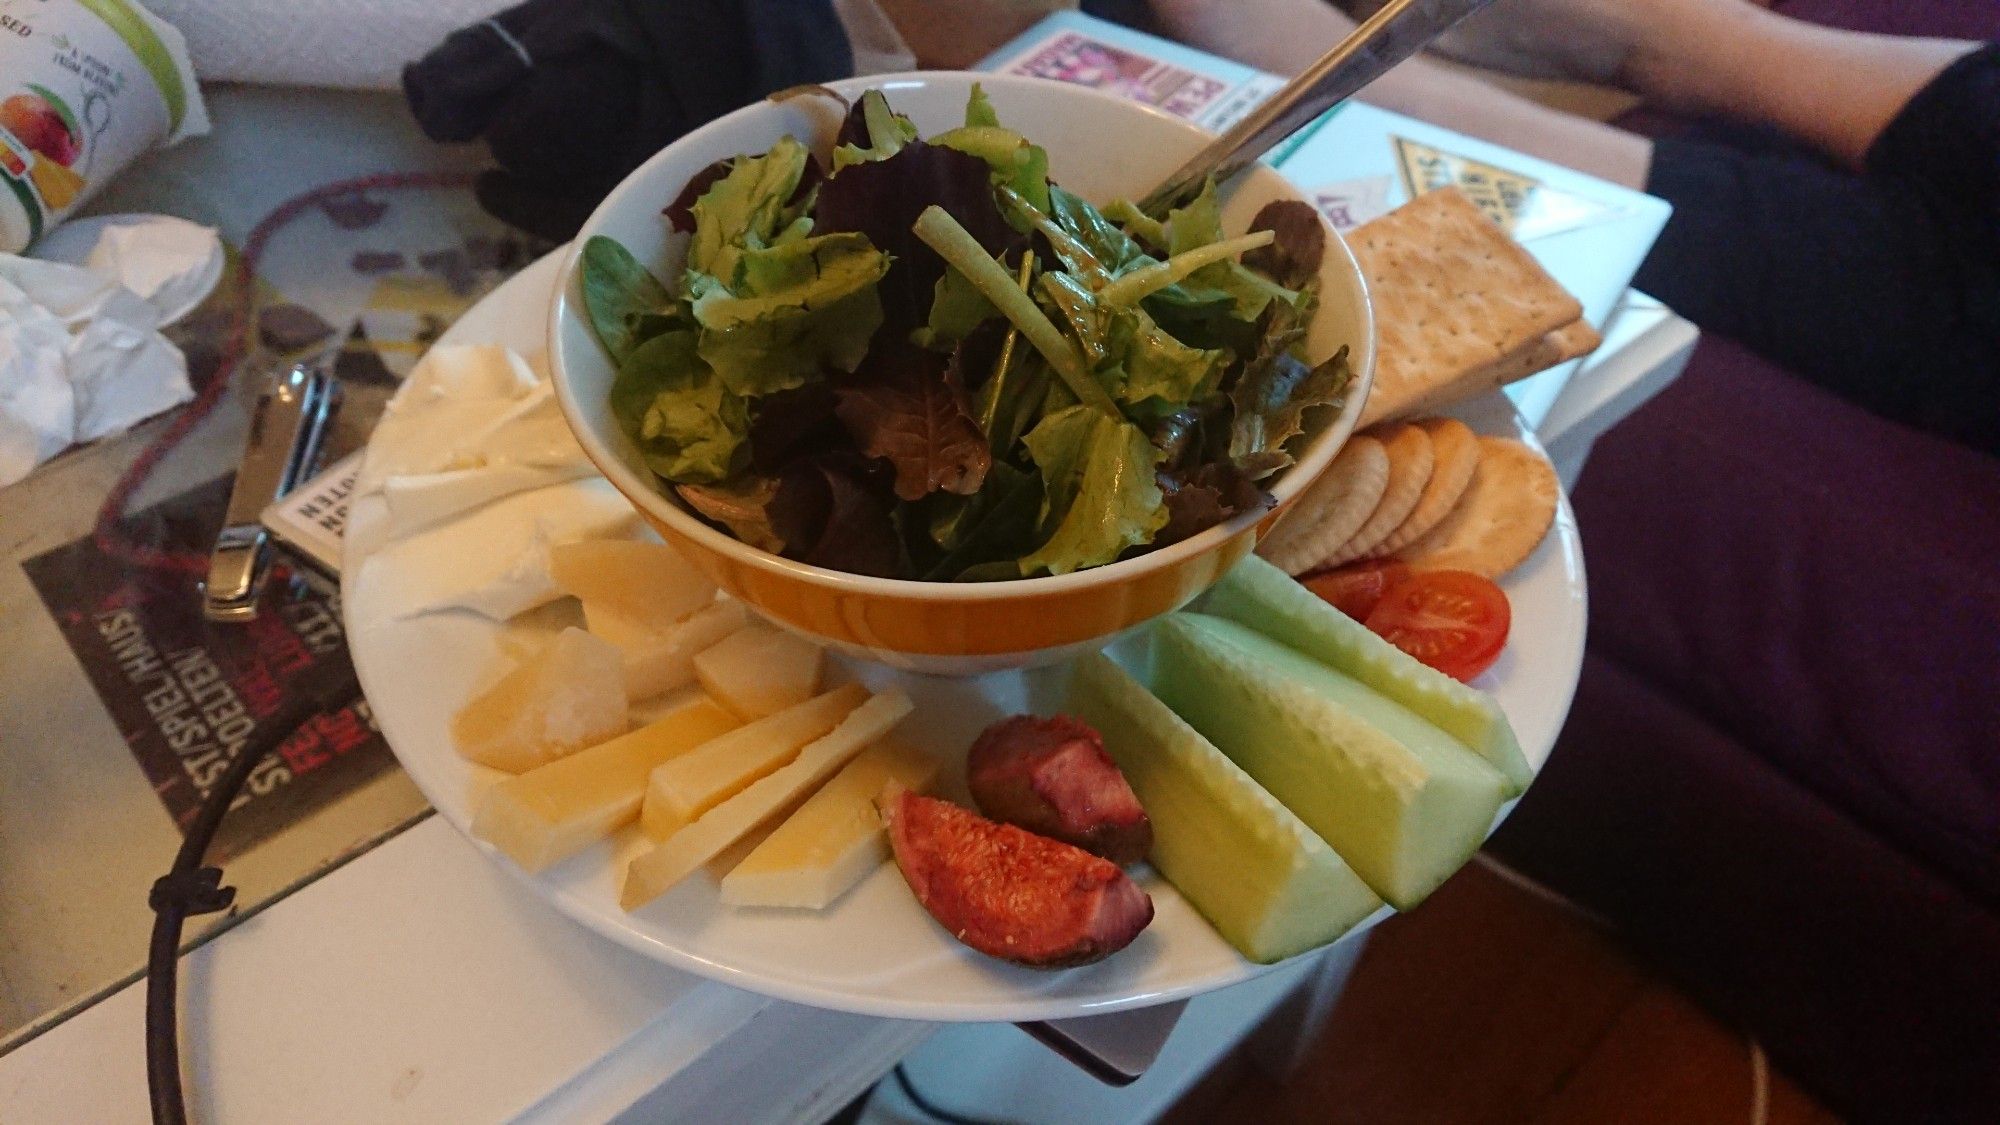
(925, 359)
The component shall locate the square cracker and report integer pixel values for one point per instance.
(1572, 340)
(1454, 295)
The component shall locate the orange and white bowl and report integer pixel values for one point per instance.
(1100, 147)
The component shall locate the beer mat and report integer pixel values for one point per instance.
(1523, 206)
(187, 695)
(1085, 60)
(1350, 203)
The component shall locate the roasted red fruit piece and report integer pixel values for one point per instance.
(1009, 893)
(1052, 777)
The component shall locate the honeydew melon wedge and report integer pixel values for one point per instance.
(1402, 802)
(1267, 883)
(1265, 598)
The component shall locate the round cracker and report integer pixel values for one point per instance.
(1410, 464)
(1499, 521)
(1454, 454)
(1327, 513)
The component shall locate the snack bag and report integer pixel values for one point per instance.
(86, 86)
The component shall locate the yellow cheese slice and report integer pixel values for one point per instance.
(683, 789)
(657, 663)
(649, 584)
(649, 876)
(568, 696)
(759, 670)
(834, 840)
(551, 813)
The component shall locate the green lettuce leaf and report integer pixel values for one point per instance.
(1275, 389)
(1100, 496)
(979, 109)
(620, 294)
(1137, 223)
(1200, 224)
(1119, 252)
(989, 530)
(1163, 375)
(750, 208)
(1010, 400)
(957, 307)
(687, 425)
(1144, 368)
(886, 132)
(796, 306)
(1015, 163)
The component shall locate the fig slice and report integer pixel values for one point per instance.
(1053, 777)
(1009, 893)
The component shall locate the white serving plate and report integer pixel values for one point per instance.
(875, 951)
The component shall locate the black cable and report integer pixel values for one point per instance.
(191, 889)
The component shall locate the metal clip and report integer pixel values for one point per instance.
(288, 428)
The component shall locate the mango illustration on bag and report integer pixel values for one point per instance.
(86, 86)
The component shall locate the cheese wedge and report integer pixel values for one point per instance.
(550, 813)
(657, 663)
(760, 670)
(834, 840)
(568, 696)
(652, 873)
(647, 584)
(683, 789)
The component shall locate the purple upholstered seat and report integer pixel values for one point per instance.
(1782, 774)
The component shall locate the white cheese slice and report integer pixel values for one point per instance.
(760, 670)
(567, 696)
(454, 392)
(494, 560)
(423, 499)
(649, 585)
(693, 783)
(554, 811)
(652, 873)
(658, 663)
(834, 840)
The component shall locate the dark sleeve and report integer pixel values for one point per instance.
(1948, 138)
(571, 95)
(1882, 287)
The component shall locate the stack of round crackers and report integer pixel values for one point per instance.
(1429, 492)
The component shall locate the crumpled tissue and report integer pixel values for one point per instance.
(81, 354)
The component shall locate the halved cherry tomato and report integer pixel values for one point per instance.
(1452, 620)
(1355, 589)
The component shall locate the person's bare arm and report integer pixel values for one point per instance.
(1283, 36)
(1833, 89)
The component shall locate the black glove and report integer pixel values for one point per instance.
(571, 95)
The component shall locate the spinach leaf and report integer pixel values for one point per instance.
(688, 426)
(617, 292)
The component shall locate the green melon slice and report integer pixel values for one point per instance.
(1402, 802)
(1267, 883)
(1266, 599)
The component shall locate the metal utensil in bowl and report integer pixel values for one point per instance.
(1396, 31)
